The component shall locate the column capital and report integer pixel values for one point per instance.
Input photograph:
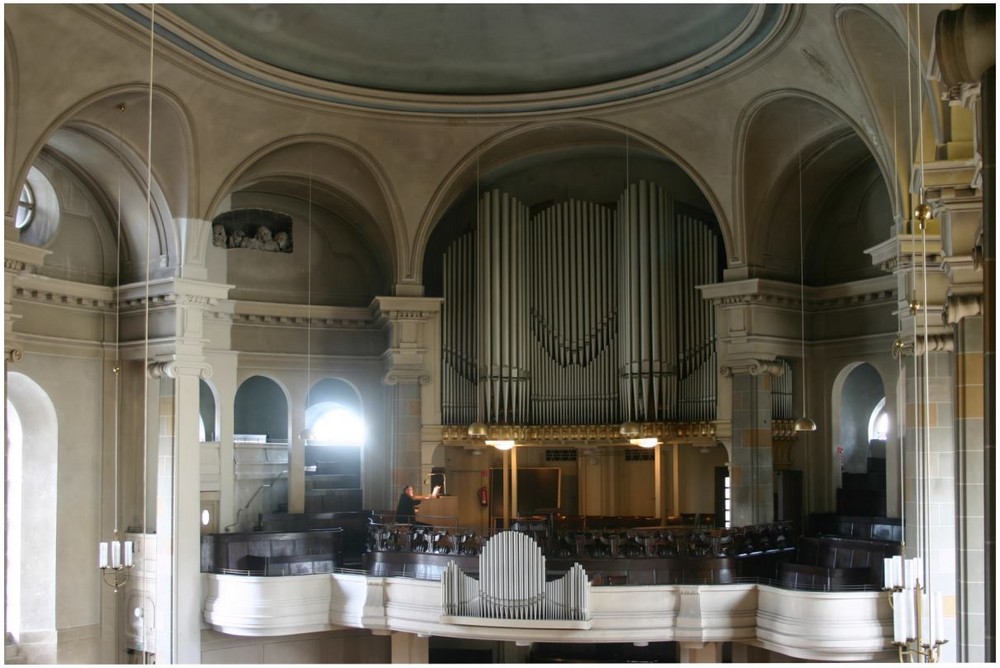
(412, 325)
(12, 353)
(402, 374)
(752, 366)
(906, 347)
(176, 367)
(960, 306)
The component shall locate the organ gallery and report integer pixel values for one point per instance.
(499, 333)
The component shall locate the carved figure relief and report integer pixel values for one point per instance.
(256, 229)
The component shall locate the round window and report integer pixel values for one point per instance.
(25, 208)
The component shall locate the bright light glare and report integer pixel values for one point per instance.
(339, 426)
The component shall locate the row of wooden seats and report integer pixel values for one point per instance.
(833, 562)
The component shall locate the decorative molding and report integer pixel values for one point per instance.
(398, 375)
(760, 33)
(783, 430)
(935, 343)
(12, 353)
(958, 307)
(301, 315)
(18, 256)
(668, 432)
(764, 292)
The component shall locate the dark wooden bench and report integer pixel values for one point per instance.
(354, 525)
(252, 552)
(830, 562)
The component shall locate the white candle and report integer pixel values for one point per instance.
(898, 617)
(116, 554)
(102, 555)
(887, 573)
(128, 553)
(897, 571)
(937, 606)
(926, 630)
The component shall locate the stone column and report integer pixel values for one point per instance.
(700, 652)
(178, 509)
(409, 648)
(751, 455)
(169, 317)
(965, 54)
(951, 192)
(412, 372)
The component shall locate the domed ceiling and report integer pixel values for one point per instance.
(471, 57)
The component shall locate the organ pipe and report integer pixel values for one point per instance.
(580, 313)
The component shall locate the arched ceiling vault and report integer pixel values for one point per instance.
(454, 58)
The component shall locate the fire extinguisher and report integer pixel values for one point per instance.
(484, 497)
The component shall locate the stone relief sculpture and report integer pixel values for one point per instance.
(256, 229)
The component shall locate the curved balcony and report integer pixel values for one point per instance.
(644, 585)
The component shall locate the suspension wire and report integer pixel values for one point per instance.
(927, 378)
(914, 304)
(145, 354)
(116, 368)
(309, 295)
(802, 285)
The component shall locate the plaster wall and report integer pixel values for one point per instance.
(63, 596)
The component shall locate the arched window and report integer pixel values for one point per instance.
(333, 414)
(335, 424)
(878, 423)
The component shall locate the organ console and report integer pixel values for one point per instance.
(440, 511)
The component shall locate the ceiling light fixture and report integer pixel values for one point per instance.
(115, 556)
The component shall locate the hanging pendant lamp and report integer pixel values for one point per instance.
(802, 423)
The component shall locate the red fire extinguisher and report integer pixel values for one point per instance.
(484, 497)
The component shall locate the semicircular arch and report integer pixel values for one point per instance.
(350, 176)
(497, 153)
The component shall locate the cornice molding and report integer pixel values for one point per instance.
(779, 294)
(60, 292)
(301, 315)
(18, 256)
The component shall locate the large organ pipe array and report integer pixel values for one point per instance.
(500, 307)
(573, 314)
(512, 585)
(459, 338)
(698, 264)
(645, 298)
(781, 393)
(580, 313)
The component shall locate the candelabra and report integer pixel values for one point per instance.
(917, 622)
(115, 560)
